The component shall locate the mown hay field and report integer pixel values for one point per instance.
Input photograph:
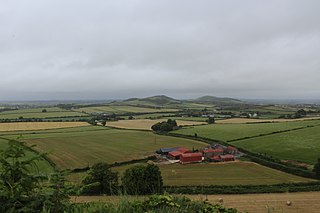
(52, 112)
(230, 173)
(20, 126)
(227, 132)
(251, 120)
(300, 145)
(146, 124)
(71, 150)
(122, 109)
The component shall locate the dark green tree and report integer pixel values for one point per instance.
(316, 168)
(211, 120)
(140, 180)
(44, 110)
(101, 180)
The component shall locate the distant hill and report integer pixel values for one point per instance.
(217, 100)
(158, 100)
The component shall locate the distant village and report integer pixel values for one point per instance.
(212, 153)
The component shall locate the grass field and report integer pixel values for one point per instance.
(79, 149)
(301, 145)
(233, 173)
(149, 115)
(190, 118)
(145, 124)
(43, 165)
(122, 109)
(249, 120)
(226, 132)
(8, 127)
(37, 113)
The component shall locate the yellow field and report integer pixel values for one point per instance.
(251, 120)
(145, 124)
(308, 202)
(20, 126)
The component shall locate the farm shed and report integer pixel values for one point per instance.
(215, 158)
(231, 150)
(227, 157)
(212, 152)
(165, 151)
(191, 157)
(175, 155)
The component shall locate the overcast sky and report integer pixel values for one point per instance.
(75, 49)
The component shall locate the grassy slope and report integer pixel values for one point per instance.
(226, 132)
(78, 149)
(302, 145)
(234, 173)
(43, 165)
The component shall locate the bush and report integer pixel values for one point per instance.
(140, 180)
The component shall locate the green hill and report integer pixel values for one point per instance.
(217, 100)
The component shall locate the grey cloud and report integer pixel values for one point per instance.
(118, 49)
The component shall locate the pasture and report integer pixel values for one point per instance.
(52, 112)
(122, 109)
(300, 145)
(227, 132)
(24, 126)
(69, 150)
(145, 124)
(231, 173)
(250, 120)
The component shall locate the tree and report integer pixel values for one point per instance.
(316, 168)
(165, 126)
(44, 110)
(104, 122)
(22, 188)
(101, 180)
(141, 180)
(211, 120)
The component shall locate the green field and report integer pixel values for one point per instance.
(227, 132)
(52, 112)
(301, 145)
(79, 149)
(189, 118)
(122, 109)
(236, 173)
(242, 173)
(43, 165)
(149, 115)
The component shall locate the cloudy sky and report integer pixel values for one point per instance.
(96, 49)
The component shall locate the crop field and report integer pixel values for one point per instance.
(20, 126)
(149, 116)
(37, 113)
(232, 173)
(249, 120)
(145, 124)
(190, 118)
(300, 145)
(70, 150)
(122, 109)
(227, 132)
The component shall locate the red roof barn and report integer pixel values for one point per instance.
(177, 153)
(212, 152)
(191, 157)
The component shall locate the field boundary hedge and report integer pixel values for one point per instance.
(244, 189)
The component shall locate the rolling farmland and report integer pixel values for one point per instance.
(52, 112)
(79, 149)
(122, 109)
(24, 126)
(227, 132)
(145, 124)
(301, 145)
(232, 173)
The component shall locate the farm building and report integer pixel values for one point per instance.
(227, 157)
(175, 155)
(191, 157)
(165, 151)
(207, 153)
(231, 150)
